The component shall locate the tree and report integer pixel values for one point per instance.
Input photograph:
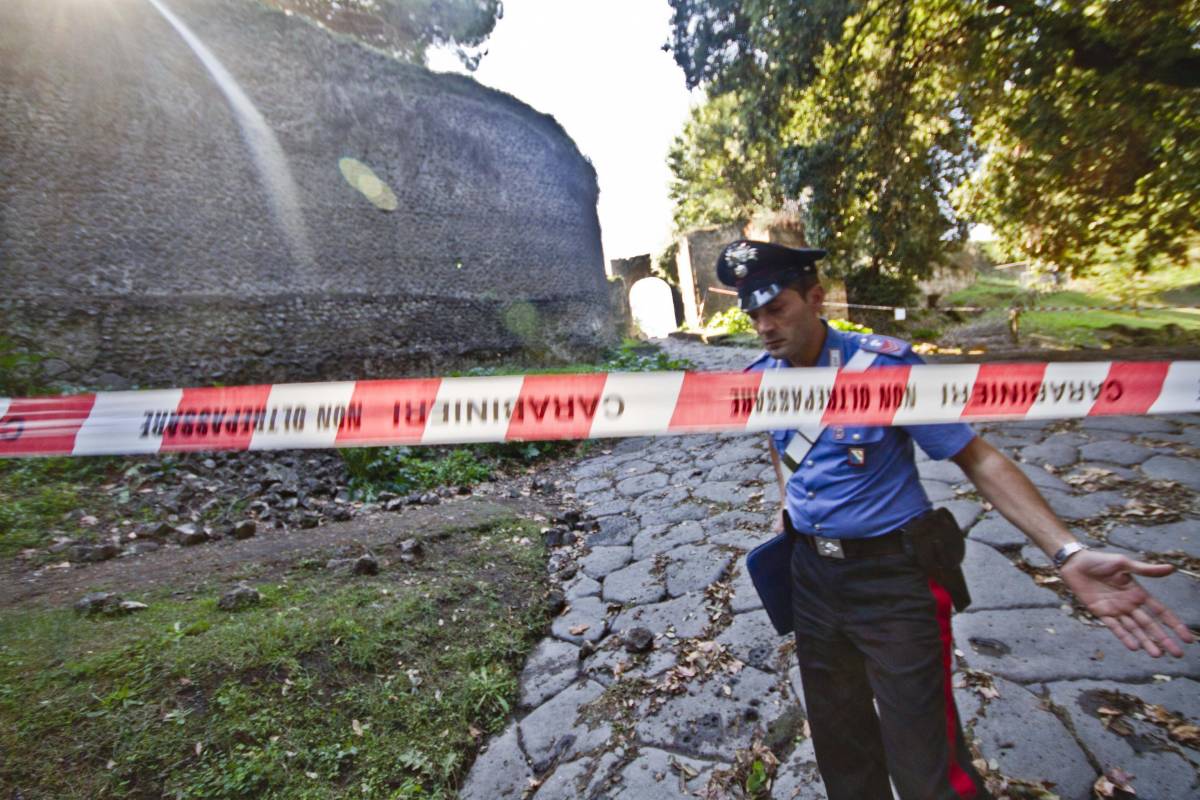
(1071, 126)
(408, 28)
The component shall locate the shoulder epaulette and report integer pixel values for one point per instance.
(758, 363)
(884, 345)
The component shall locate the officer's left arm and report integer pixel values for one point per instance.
(1102, 581)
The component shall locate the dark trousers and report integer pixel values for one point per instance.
(878, 629)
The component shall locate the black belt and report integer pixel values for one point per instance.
(886, 545)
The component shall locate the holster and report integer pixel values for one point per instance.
(938, 545)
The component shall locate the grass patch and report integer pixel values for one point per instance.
(37, 493)
(1089, 326)
(375, 687)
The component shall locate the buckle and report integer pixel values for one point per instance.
(830, 548)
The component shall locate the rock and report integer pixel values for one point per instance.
(685, 616)
(613, 530)
(140, 547)
(603, 560)
(585, 621)
(638, 640)
(430, 499)
(341, 513)
(499, 771)
(1056, 454)
(995, 583)
(244, 529)
(651, 775)
(556, 601)
(745, 596)
(1042, 644)
(693, 568)
(395, 504)
(1127, 454)
(93, 553)
(129, 606)
(634, 585)
(411, 551)
(239, 597)
(640, 484)
(98, 603)
(553, 536)
(661, 538)
(554, 732)
(1146, 753)
(995, 530)
(1181, 536)
(551, 667)
(1026, 739)
(753, 640)
(187, 535)
(717, 717)
(1172, 468)
(366, 565)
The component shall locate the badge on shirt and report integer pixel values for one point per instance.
(839, 433)
(856, 456)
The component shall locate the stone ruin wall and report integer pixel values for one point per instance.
(139, 243)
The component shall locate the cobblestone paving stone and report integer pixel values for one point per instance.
(671, 519)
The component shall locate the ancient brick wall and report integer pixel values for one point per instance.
(144, 236)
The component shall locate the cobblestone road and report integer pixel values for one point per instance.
(1046, 695)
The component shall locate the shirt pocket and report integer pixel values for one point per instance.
(849, 436)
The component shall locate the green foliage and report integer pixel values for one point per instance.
(875, 115)
(665, 266)
(408, 28)
(870, 287)
(719, 173)
(35, 494)
(406, 469)
(756, 781)
(375, 688)
(847, 326)
(20, 370)
(634, 356)
(732, 320)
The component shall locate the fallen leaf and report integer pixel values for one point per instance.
(199, 748)
(357, 726)
(1187, 735)
(577, 630)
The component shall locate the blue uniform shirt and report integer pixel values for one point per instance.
(874, 489)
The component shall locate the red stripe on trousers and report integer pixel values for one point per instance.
(960, 781)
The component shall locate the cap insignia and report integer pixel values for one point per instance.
(741, 271)
(741, 253)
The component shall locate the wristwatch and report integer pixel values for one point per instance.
(1066, 551)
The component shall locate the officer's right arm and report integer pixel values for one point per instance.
(778, 526)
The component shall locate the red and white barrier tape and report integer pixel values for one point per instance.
(532, 407)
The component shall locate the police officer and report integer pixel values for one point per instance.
(871, 614)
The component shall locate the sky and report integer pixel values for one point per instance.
(597, 66)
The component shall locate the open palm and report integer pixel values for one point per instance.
(1104, 583)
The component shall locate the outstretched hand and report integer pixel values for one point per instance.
(1104, 583)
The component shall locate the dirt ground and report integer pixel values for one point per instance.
(269, 554)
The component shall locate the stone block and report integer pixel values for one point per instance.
(635, 584)
(1158, 767)
(995, 583)
(1042, 644)
(499, 771)
(693, 568)
(550, 668)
